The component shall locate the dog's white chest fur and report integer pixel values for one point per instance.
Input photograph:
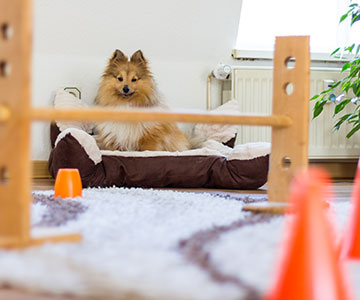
(124, 136)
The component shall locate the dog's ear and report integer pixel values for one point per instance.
(138, 58)
(118, 56)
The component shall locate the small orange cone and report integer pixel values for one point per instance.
(309, 269)
(68, 183)
(350, 246)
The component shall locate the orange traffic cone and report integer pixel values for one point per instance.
(350, 246)
(309, 268)
(68, 183)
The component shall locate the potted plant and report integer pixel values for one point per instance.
(349, 85)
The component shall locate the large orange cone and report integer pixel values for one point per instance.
(309, 269)
(350, 247)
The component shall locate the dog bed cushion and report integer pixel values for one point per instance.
(214, 165)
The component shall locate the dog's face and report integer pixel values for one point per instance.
(129, 80)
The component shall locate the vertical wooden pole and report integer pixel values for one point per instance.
(15, 172)
(291, 98)
(15, 167)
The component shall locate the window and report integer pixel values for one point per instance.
(262, 20)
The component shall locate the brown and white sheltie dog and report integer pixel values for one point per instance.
(130, 84)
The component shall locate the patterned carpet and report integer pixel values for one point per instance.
(153, 244)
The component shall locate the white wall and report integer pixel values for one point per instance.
(182, 39)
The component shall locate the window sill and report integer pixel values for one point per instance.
(268, 55)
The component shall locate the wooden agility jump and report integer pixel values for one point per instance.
(289, 121)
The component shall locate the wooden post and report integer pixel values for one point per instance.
(15, 173)
(291, 94)
(15, 167)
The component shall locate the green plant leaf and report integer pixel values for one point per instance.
(319, 106)
(334, 85)
(343, 17)
(351, 116)
(335, 51)
(348, 118)
(318, 111)
(350, 48)
(341, 120)
(345, 67)
(346, 86)
(315, 97)
(352, 131)
(328, 90)
(356, 88)
(341, 106)
(354, 69)
(355, 17)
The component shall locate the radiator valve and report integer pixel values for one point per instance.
(222, 71)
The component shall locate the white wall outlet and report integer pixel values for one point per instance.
(74, 91)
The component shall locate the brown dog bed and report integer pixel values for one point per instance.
(214, 165)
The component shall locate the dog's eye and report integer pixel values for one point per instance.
(120, 78)
(133, 80)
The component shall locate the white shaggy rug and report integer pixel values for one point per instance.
(152, 244)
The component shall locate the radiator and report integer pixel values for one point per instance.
(252, 86)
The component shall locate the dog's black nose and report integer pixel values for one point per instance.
(126, 89)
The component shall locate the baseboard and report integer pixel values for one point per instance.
(339, 169)
(40, 169)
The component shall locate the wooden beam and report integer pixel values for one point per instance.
(105, 114)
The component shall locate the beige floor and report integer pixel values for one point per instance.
(342, 190)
